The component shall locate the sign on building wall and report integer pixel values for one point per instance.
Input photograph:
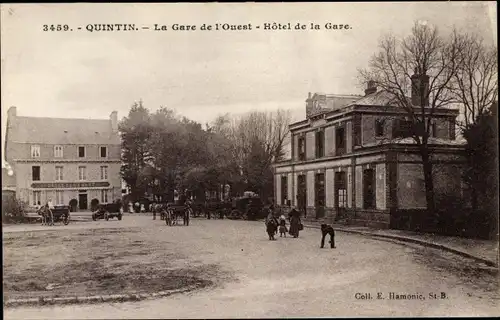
(62, 185)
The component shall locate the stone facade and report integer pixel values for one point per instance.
(370, 171)
(71, 159)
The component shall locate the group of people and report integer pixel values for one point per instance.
(46, 212)
(273, 224)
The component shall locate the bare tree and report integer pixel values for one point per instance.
(416, 72)
(475, 82)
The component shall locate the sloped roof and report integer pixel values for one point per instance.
(61, 131)
(8, 181)
(336, 101)
(410, 140)
(379, 98)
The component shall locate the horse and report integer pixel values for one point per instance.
(46, 213)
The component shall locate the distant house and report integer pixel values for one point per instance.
(353, 156)
(66, 160)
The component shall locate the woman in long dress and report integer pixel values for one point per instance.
(294, 216)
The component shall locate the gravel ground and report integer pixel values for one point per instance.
(293, 277)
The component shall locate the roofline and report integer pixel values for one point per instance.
(58, 118)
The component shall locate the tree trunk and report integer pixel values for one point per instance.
(429, 181)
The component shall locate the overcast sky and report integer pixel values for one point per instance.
(200, 73)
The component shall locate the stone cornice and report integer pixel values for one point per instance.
(67, 161)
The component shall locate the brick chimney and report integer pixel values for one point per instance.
(371, 88)
(419, 89)
(113, 117)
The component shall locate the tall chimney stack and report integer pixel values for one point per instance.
(113, 117)
(419, 90)
(371, 88)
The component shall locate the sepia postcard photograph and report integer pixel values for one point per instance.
(249, 160)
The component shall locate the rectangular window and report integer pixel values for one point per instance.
(82, 173)
(341, 187)
(104, 196)
(379, 127)
(452, 130)
(104, 152)
(58, 151)
(37, 198)
(302, 148)
(104, 172)
(369, 189)
(340, 142)
(284, 190)
(35, 151)
(81, 152)
(402, 128)
(59, 173)
(301, 192)
(35, 173)
(59, 197)
(320, 144)
(433, 129)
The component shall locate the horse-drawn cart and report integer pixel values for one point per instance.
(60, 213)
(171, 212)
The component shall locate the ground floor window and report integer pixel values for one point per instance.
(37, 198)
(341, 189)
(369, 189)
(59, 197)
(284, 190)
(104, 196)
(342, 198)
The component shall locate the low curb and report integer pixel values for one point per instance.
(42, 301)
(487, 262)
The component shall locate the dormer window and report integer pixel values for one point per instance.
(35, 151)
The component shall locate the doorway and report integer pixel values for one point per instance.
(82, 201)
(320, 195)
(340, 194)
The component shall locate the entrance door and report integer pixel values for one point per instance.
(302, 193)
(82, 201)
(340, 194)
(319, 195)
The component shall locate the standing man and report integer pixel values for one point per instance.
(50, 208)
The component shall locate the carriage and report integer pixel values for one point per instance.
(60, 213)
(216, 209)
(171, 212)
(248, 208)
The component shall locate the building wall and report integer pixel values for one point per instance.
(295, 146)
(277, 183)
(410, 186)
(329, 188)
(290, 187)
(310, 145)
(348, 137)
(358, 185)
(329, 141)
(380, 186)
(368, 128)
(310, 188)
(70, 152)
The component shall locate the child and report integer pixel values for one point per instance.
(283, 229)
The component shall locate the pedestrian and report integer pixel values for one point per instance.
(282, 224)
(50, 208)
(271, 225)
(130, 207)
(153, 210)
(295, 222)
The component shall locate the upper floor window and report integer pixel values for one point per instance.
(103, 152)
(320, 144)
(35, 173)
(82, 173)
(452, 130)
(35, 151)
(81, 152)
(59, 173)
(433, 129)
(340, 142)
(302, 148)
(58, 151)
(104, 173)
(379, 127)
(403, 128)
